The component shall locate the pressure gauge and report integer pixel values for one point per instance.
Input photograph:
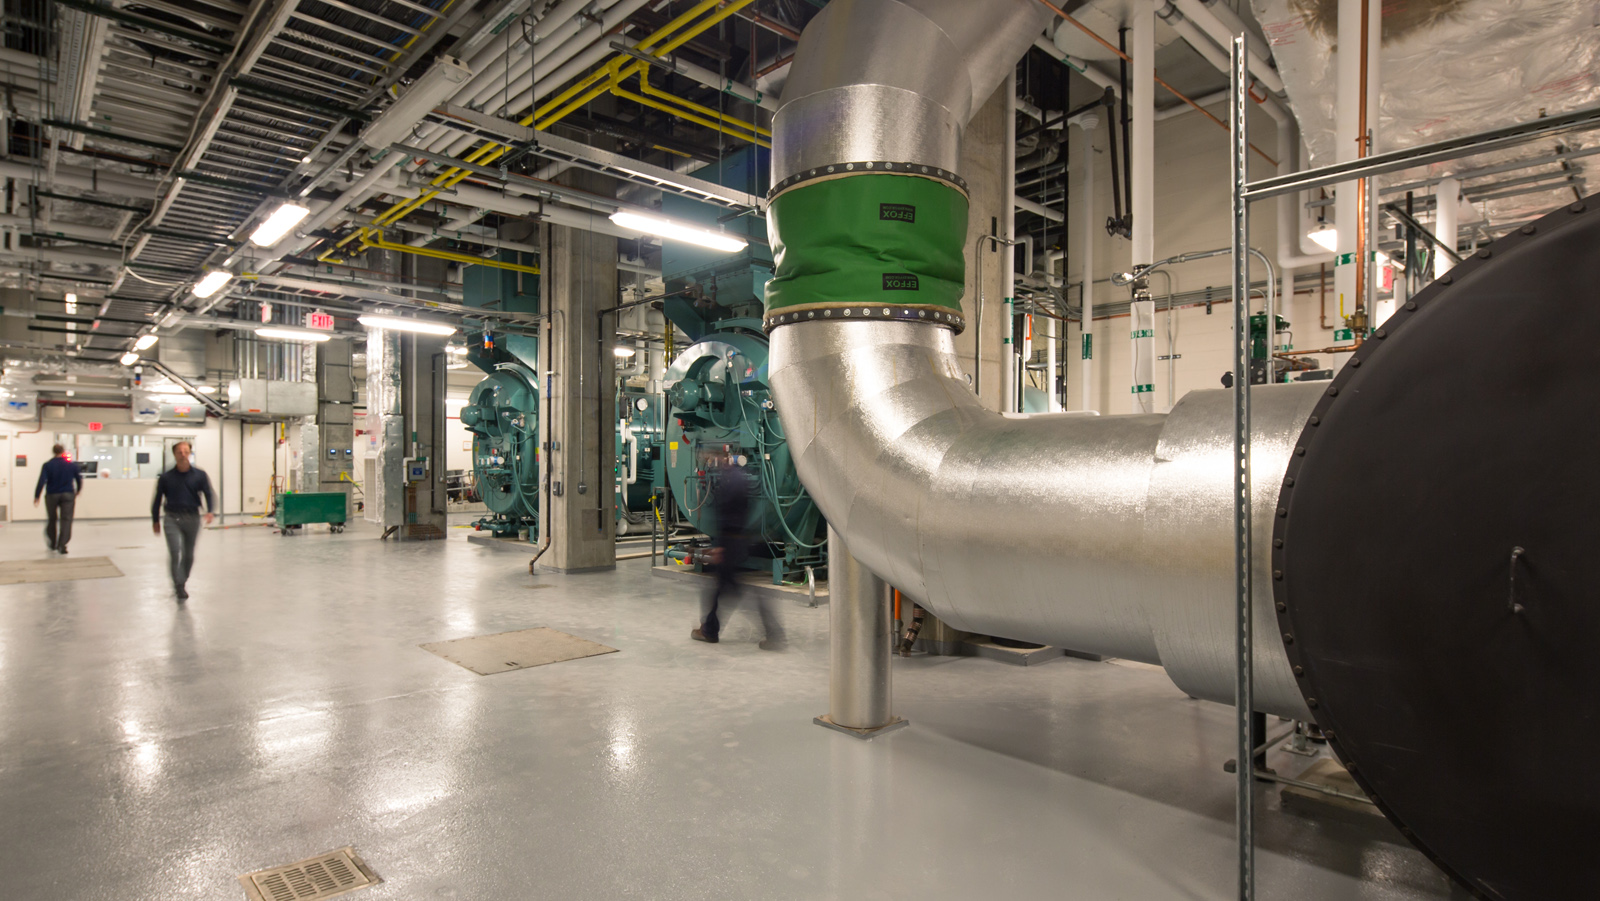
(641, 405)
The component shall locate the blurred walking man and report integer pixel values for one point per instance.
(183, 486)
(730, 489)
(60, 482)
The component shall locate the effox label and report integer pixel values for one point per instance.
(897, 212)
(900, 281)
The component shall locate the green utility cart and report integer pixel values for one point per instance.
(299, 508)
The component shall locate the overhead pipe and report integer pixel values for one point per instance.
(1037, 528)
(1447, 209)
(1208, 18)
(1182, 16)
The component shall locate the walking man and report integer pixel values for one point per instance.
(183, 486)
(730, 490)
(60, 482)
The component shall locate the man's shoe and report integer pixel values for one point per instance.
(771, 644)
(698, 635)
(61, 550)
(183, 595)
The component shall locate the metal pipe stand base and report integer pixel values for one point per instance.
(890, 726)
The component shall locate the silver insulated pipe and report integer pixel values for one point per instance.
(1111, 535)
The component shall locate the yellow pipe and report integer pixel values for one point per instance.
(611, 68)
(378, 243)
(646, 101)
(646, 87)
(701, 27)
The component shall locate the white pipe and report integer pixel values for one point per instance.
(1009, 390)
(353, 194)
(1447, 209)
(1086, 231)
(1039, 209)
(1141, 178)
(633, 453)
(1084, 68)
(1142, 144)
(84, 179)
(1208, 20)
(1050, 333)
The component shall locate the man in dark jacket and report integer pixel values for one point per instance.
(730, 488)
(184, 486)
(60, 482)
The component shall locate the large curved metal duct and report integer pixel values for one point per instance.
(1110, 535)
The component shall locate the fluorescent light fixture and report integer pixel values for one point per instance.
(212, 283)
(129, 358)
(72, 304)
(1327, 236)
(678, 231)
(400, 323)
(623, 351)
(166, 389)
(438, 84)
(293, 334)
(455, 349)
(274, 227)
(145, 342)
(208, 389)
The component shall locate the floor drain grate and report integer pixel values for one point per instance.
(323, 876)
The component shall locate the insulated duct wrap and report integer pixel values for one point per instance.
(1110, 535)
(1448, 68)
(893, 239)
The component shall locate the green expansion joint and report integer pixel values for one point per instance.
(894, 239)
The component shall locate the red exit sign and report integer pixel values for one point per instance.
(319, 320)
(96, 426)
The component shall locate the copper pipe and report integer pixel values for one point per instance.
(769, 24)
(776, 66)
(1361, 185)
(1340, 349)
(1322, 291)
(1170, 89)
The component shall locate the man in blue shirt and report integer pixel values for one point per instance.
(60, 482)
(184, 486)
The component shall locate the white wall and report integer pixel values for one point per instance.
(217, 448)
(1193, 213)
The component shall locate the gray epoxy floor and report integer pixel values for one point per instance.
(149, 751)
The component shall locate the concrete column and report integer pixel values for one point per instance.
(580, 278)
(860, 632)
(423, 365)
(981, 165)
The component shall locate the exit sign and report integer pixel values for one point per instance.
(1343, 334)
(319, 320)
(96, 426)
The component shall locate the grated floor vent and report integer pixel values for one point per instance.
(323, 876)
